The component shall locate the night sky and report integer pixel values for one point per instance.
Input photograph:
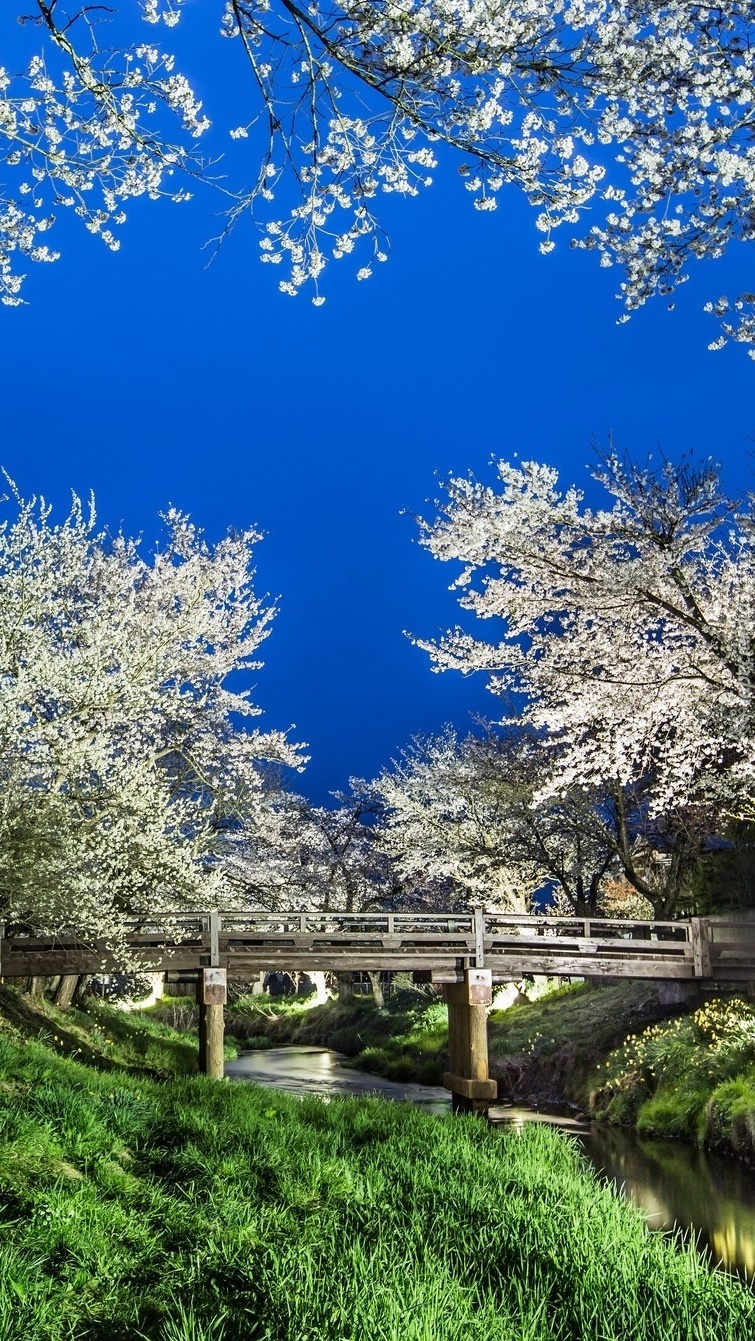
(151, 377)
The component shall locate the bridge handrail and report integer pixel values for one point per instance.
(314, 921)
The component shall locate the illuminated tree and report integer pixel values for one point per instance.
(628, 123)
(629, 632)
(127, 762)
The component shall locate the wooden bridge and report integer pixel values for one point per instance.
(466, 953)
(441, 944)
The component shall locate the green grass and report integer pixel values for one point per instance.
(196, 1211)
(548, 1049)
(101, 1035)
(692, 1077)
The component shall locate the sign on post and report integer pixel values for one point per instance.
(214, 987)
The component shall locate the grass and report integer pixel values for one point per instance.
(101, 1035)
(546, 1051)
(136, 1210)
(692, 1077)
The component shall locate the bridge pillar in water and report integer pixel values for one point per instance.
(468, 1080)
(211, 997)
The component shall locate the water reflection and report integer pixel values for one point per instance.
(677, 1185)
(672, 1183)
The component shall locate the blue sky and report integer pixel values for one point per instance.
(152, 378)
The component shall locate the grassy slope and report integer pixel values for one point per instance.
(101, 1036)
(549, 1049)
(194, 1211)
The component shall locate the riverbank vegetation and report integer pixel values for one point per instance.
(187, 1210)
(545, 1051)
(692, 1077)
(542, 1051)
(102, 1036)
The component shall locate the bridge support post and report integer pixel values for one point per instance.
(471, 1087)
(211, 996)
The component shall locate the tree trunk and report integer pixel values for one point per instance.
(65, 989)
(36, 987)
(377, 990)
(80, 990)
(345, 981)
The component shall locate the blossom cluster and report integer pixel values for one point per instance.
(634, 117)
(84, 128)
(127, 760)
(627, 124)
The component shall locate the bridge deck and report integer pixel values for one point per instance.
(443, 944)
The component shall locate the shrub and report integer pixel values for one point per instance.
(730, 1117)
(665, 1076)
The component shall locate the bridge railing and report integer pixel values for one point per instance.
(310, 922)
(587, 928)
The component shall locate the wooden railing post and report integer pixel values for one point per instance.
(479, 937)
(214, 938)
(468, 1080)
(700, 938)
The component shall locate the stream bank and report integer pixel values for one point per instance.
(674, 1187)
(625, 1053)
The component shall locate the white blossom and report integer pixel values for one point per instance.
(628, 123)
(628, 634)
(128, 763)
(90, 124)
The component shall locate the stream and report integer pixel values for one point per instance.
(674, 1184)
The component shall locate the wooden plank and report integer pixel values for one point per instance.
(701, 947)
(511, 967)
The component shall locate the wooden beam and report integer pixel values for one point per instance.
(471, 1089)
(468, 1077)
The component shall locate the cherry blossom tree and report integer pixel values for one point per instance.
(627, 633)
(128, 764)
(626, 124)
(89, 125)
(341, 864)
(453, 819)
(490, 817)
(318, 858)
